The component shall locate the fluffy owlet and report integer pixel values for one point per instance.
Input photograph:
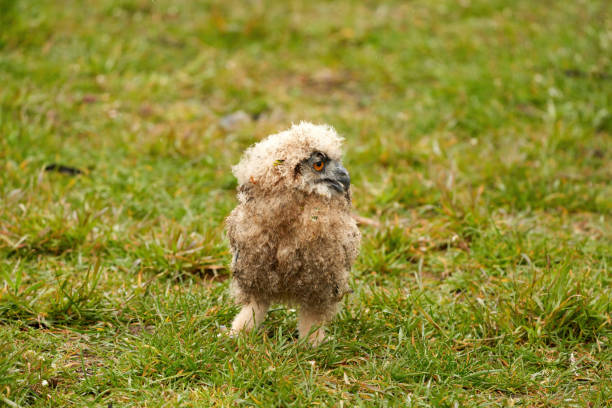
(292, 236)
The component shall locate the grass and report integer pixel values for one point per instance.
(478, 141)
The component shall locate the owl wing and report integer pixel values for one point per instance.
(235, 243)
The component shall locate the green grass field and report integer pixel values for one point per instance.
(478, 137)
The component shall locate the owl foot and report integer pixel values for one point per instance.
(249, 317)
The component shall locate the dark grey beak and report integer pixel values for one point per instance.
(342, 176)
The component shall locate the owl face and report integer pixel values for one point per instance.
(324, 175)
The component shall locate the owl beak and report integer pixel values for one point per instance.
(342, 176)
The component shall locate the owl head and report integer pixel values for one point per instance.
(306, 157)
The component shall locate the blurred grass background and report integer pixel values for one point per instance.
(478, 141)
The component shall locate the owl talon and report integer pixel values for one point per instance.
(317, 338)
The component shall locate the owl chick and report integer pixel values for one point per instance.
(292, 236)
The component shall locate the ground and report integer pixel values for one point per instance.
(478, 137)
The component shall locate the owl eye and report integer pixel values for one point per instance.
(318, 166)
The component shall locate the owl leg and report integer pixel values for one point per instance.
(251, 315)
(310, 323)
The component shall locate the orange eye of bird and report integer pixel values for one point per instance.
(318, 166)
